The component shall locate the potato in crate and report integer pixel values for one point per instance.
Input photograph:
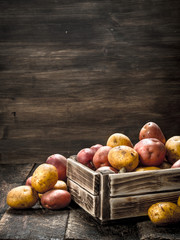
(113, 196)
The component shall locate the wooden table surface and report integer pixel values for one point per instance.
(69, 223)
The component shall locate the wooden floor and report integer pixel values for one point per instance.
(70, 223)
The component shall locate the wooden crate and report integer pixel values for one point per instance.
(115, 196)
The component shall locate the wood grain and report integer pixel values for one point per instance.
(84, 199)
(134, 206)
(74, 72)
(134, 183)
(82, 226)
(147, 230)
(36, 223)
(124, 195)
(80, 174)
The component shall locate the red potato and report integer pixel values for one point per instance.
(151, 130)
(90, 165)
(101, 157)
(56, 199)
(107, 169)
(176, 164)
(96, 147)
(85, 156)
(60, 162)
(151, 151)
(28, 181)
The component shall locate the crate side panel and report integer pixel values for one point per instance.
(104, 198)
(135, 183)
(84, 176)
(83, 198)
(135, 206)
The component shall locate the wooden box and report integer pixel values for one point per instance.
(124, 195)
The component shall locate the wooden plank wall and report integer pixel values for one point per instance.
(74, 72)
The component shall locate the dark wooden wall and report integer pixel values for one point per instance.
(74, 72)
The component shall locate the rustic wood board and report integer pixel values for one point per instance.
(149, 231)
(74, 72)
(134, 206)
(85, 199)
(144, 182)
(83, 175)
(35, 223)
(82, 226)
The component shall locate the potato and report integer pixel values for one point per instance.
(101, 157)
(178, 201)
(56, 199)
(22, 197)
(106, 169)
(44, 177)
(151, 151)
(151, 130)
(163, 213)
(60, 184)
(123, 157)
(118, 139)
(60, 162)
(96, 147)
(173, 149)
(142, 169)
(176, 164)
(28, 181)
(85, 156)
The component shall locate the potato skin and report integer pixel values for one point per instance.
(44, 177)
(151, 130)
(107, 169)
(22, 197)
(60, 162)
(151, 151)
(101, 157)
(176, 164)
(163, 213)
(60, 185)
(118, 139)
(85, 155)
(142, 169)
(28, 181)
(56, 199)
(123, 157)
(178, 201)
(173, 149)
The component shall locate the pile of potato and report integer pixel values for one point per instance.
(151, 152)
(47, 185)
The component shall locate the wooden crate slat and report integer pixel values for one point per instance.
(134, 206)
(83, 175)
(83, 198)
(104, 198)
(126, 184)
